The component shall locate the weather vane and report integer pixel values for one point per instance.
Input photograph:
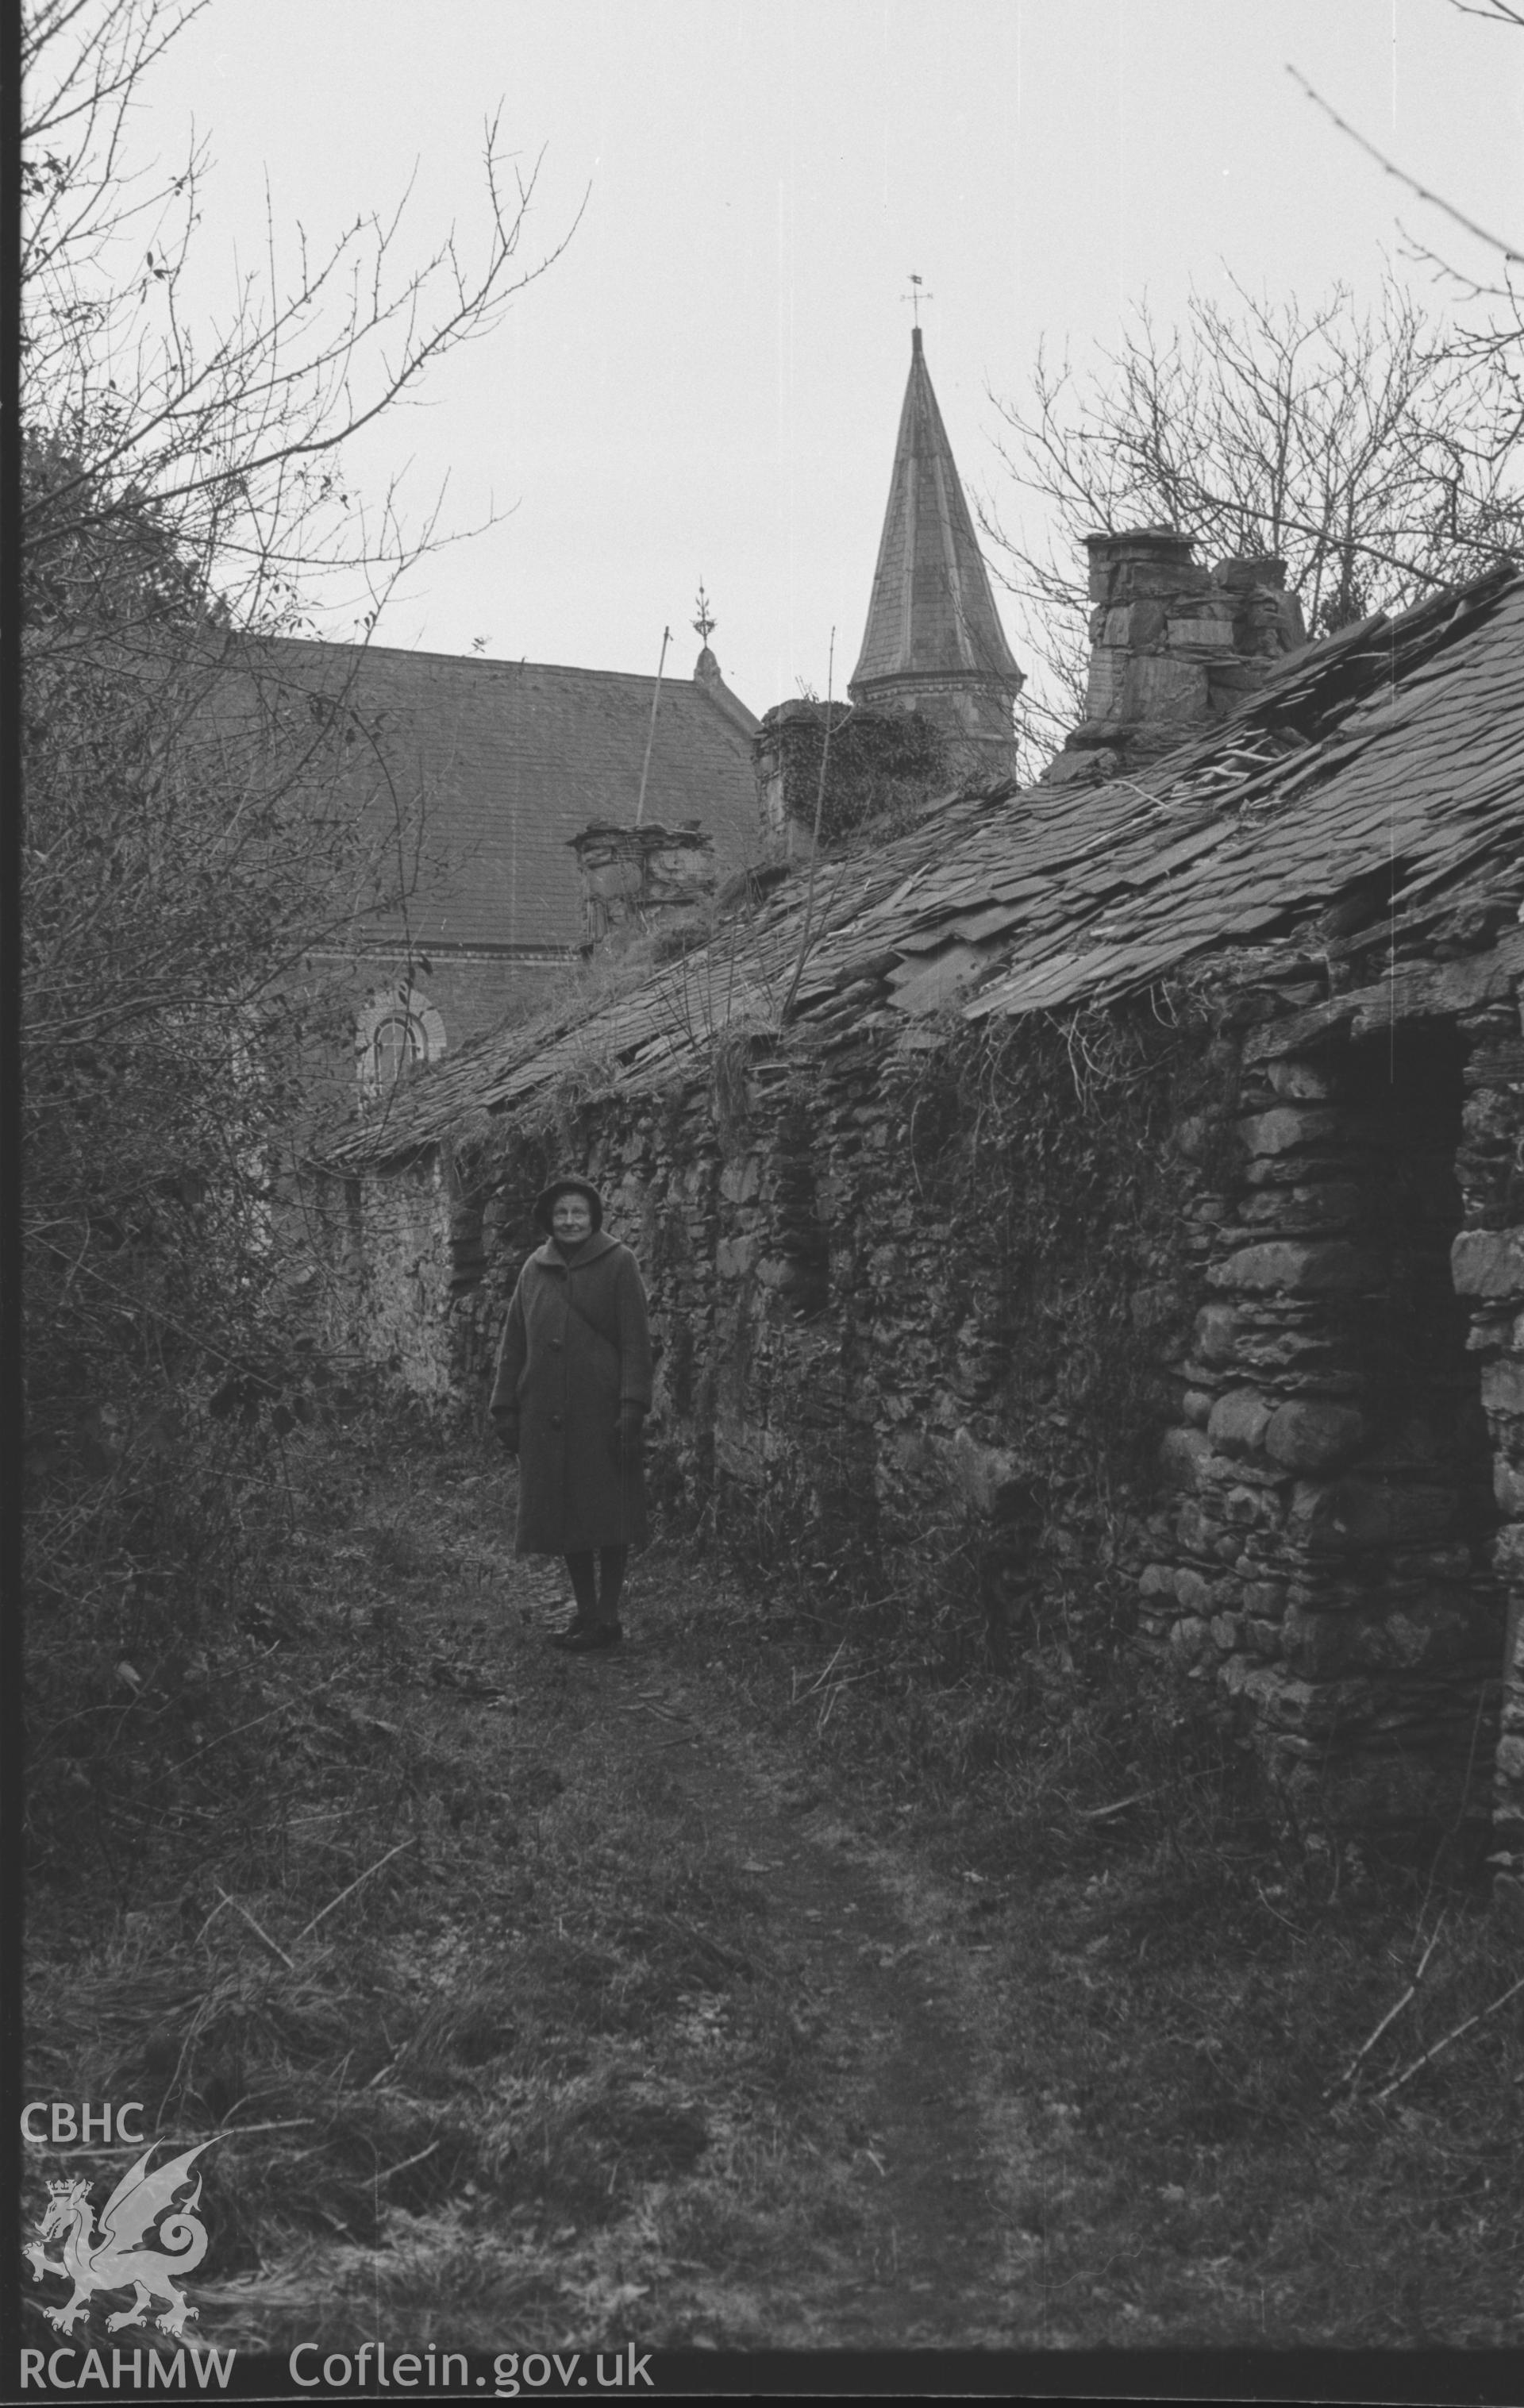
(917, 297)
(703, 627)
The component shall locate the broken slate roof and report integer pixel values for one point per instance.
(1392, 752)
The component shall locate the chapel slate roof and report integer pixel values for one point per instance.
(515, 758)
(1392, 753)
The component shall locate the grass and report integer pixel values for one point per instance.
(1208, 2171)
(507, 2029)
(493, 2039)
(1184, 2001)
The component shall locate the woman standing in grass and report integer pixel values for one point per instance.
(573, 1385)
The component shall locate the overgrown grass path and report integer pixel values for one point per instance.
(538, 2002)
(903, 2156)
(723, 1991)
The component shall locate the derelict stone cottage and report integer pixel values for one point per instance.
(1105, 1190)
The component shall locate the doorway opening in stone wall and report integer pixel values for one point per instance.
(1420, 1503)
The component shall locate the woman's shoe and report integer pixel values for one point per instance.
(583, 1638)
(576, 1628)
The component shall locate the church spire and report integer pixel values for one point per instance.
(933, 642)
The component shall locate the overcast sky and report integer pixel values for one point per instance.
(707, 384)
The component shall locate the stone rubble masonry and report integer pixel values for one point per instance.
(879, 760)
(388, 1246)
(1329, 1564)
(633, 879)
(1332, 1296)
(1488, 1267)
(842, 1358)
(1172, 647)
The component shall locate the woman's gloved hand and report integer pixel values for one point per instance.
(507, 1427)
(624, 1441)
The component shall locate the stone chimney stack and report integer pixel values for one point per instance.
(1173, 646)
(634, 879)
(785, 799)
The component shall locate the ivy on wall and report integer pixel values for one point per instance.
(942, 1372)
(1007, 1273)
(881, 762)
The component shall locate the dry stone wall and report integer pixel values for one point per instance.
(1345, 1546)
(1488, 1267)
(909, 1302)
(1070, 1338)
(386, 1246)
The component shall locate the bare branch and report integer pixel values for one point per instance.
(1390, 167)
(1400, 2081)
(1375, 453)
(212, 424)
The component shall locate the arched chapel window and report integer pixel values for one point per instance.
(398, 1027)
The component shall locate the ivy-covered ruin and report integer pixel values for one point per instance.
(1119, 1238)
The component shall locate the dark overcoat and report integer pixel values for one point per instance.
(577, 1346)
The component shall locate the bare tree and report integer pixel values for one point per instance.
(1374, 452)
(201, 817)
(237, 428)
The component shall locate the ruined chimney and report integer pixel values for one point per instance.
(786, 773)
(1172, 647)
(634, 879)
(881, 765)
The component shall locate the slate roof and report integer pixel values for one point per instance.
(1395, 748)
(930, 613)
(517, 757)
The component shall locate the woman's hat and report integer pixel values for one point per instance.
(570, 1185)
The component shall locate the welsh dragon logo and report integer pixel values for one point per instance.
(114, 2257)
